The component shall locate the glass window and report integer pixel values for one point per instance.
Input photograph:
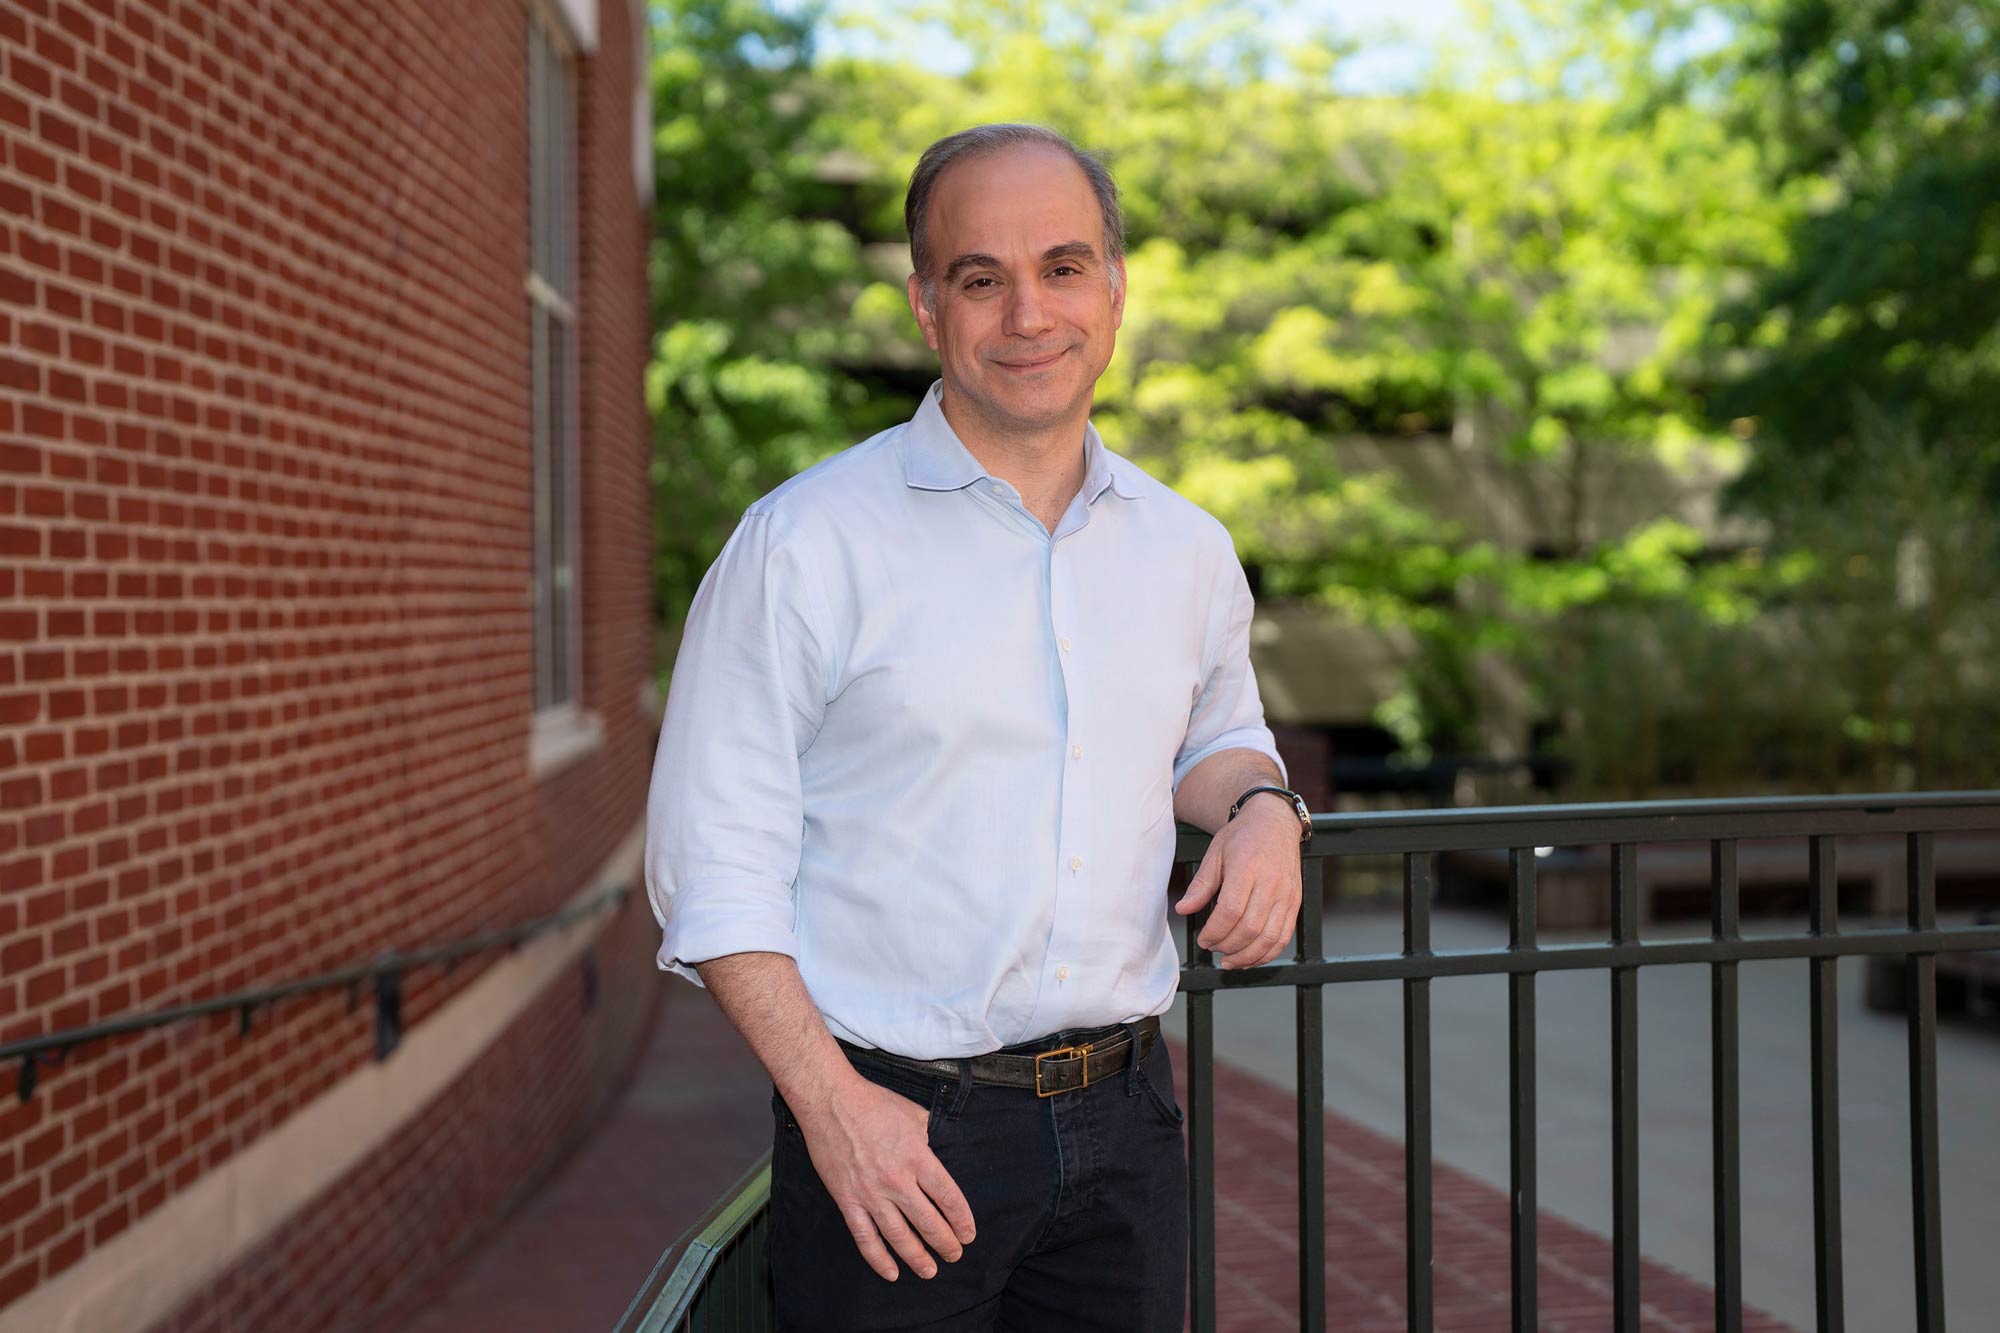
(552, 345)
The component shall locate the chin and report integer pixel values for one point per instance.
(1043, 408)
(1051, 392)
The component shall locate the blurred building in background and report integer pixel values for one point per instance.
(323, 631)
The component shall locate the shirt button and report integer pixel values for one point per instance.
(1076, 752)
(1062, 974)
(1064, 643)
(1076, 863)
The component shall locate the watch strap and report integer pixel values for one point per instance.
(1298, 806)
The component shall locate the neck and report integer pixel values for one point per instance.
(1044, 464)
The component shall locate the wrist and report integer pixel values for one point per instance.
(1267, 798)
(825, 1096)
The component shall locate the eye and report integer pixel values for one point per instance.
(975, 282)
(1067, 268)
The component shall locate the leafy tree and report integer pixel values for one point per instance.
(1526, 276)
(749, 268)
(1880, 121)
(1516, 274)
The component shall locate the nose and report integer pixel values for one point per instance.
(1027, 314)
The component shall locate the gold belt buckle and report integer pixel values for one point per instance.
(1080, 1052)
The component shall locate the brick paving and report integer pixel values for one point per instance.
(696, 1115)
(1257, 1250)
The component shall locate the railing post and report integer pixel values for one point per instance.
(1311, 1085)
(1823, 905)
(1418, 871)
(1201, 1136)
(1725, 1104)
(1521, 1090)
(1625, 1094)
(1920, 997)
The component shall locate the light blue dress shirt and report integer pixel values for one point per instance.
(929, 749)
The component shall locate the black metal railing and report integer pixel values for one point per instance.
(1417, 837)
(714, 1278)
(382, 976)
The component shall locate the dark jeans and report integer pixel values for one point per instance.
(1079, 1202)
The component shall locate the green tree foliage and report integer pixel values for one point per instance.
(1882, 119)
(1526, 277)
(748, 267)
(1516, 275)
(1867, 356)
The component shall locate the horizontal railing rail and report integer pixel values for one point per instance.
(713, 1279)
(738, 1295)
(385, 971)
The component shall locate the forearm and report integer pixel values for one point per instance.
(1205, 794)
(767, 1000)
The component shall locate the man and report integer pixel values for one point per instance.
(936, 706)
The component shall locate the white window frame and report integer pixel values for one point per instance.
(563, 730)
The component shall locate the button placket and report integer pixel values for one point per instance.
(1072, 897)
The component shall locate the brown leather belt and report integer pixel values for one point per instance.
(1064, 1068)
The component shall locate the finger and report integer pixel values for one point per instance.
(1223, 919)
(1239, 915)
(1279, 928)
(902, 1238)
(873, 1253)
(1284, 924)
(1257, 934)
(929, 1224)
(1207, 876)
(944, 1192)
(1231, 894)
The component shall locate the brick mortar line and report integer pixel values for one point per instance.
(309, 152)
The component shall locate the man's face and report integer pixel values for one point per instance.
(1026, 313)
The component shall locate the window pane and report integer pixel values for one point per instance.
(552, 258)
(562, 511)
(542, 513)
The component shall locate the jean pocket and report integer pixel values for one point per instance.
(925, 1090)
(1160, 1091)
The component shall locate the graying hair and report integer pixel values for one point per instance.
(983, 141)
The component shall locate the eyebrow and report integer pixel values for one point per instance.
(1081, 250)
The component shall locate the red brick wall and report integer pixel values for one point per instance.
(265, 644)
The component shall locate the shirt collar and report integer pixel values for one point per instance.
(935, 459)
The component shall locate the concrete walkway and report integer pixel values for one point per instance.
(1469, 1044)
(697, 1113)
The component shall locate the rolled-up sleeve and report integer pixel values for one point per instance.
(724, 815)
(1227, 713)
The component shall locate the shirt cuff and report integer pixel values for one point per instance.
(715, 917)
(1242, 738)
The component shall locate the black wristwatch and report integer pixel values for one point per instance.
(1298, 804)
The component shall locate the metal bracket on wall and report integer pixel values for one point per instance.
(33, 1062)
(388, 1012)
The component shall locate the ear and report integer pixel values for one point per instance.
(925, 319)
(1118, 295)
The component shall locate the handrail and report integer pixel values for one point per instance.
(1479, 828)
(665, 1305)
(386, 970)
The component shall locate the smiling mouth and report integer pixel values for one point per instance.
(1039, 364)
